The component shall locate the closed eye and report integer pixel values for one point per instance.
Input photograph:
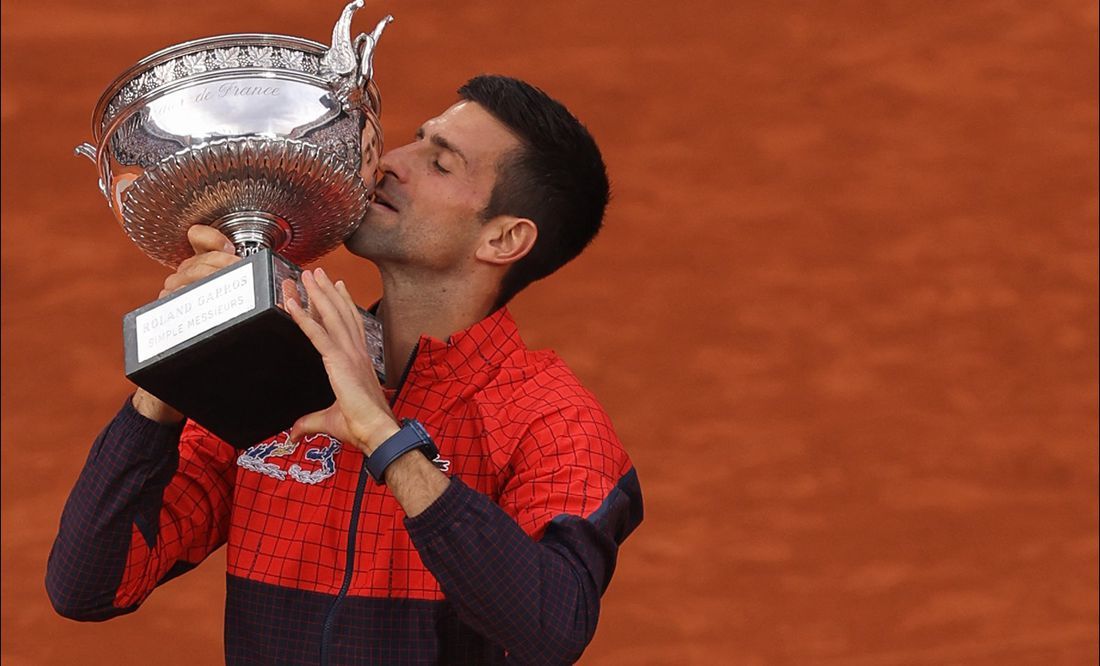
(439, 142)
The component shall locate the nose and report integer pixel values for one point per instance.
(394, 163)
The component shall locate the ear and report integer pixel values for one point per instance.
(506, 239)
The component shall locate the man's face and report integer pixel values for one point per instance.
(427, 208)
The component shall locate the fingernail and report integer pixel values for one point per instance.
(321, 272)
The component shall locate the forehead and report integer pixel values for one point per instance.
(474, 131)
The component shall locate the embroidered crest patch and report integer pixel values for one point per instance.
(323, 451)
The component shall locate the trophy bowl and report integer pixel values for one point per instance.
(272, 139)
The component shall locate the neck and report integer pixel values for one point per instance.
(412, 308)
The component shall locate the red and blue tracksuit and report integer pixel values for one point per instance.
(508, 565)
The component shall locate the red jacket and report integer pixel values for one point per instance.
(525, 444)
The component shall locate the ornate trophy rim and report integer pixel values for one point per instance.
(141, 80)
(145, 80)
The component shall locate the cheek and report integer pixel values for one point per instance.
(457, 203)
(454, 195)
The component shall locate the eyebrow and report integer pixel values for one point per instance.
(443, 143)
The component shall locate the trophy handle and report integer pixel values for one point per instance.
(89, 151)
(347, 65)
(339, 60)
(366, 44)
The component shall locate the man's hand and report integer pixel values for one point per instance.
(361, 415)
(213, 251)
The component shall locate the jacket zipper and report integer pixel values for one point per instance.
(353, 529)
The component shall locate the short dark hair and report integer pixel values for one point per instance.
(557, 177)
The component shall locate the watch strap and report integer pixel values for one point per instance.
(411, 436)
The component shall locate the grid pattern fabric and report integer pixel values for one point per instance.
(511, 560)
(113, 496)
(480, 395)
(193, 520)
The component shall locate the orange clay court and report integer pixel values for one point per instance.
(843, 312)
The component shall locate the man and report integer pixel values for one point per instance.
(470, 510)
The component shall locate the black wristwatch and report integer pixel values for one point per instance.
(411, 436)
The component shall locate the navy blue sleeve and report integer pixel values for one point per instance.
(539, 600)
(121, 485)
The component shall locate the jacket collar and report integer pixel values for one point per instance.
(480, 348)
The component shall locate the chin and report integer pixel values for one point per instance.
(358, 244)
(369, 245)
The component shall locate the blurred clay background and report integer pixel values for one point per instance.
(843, 312)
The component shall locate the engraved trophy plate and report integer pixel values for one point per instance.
(275, 141)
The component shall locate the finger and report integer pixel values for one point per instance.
(206, 263)
(316, 333)
(204, 238)
(323, 298)
(350, 318)
(197, 268)
(353, 311)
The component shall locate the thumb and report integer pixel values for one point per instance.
(204, 238)
(311, 424)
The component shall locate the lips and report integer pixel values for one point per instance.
(381, 201)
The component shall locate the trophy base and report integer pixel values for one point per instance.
(224, 352)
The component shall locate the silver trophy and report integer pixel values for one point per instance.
(273, 140)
